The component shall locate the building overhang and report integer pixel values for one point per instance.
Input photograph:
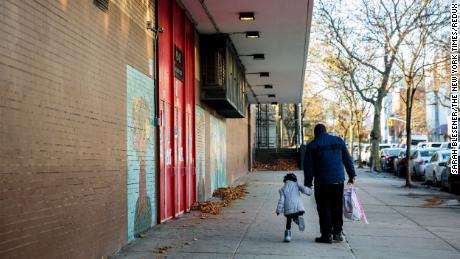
(284, 39)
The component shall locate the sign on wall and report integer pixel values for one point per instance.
(140, 142)
(200, 147)
(178, 63)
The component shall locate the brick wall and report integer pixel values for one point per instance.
(63, 124)
(237, 147)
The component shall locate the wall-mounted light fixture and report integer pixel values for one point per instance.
(261, 74)
(247, 16)
(255, 56)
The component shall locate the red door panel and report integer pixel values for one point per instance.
(165, 91)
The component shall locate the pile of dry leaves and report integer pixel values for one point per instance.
(226, 195)
(208, 207)
(277, 165)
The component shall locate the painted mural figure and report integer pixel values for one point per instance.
(141, 132)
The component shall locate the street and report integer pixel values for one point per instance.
(403, 223)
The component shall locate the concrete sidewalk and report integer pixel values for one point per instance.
(401, 226)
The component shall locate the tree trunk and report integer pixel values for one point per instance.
(360, 165)
(375, 139)
(408, 135)
(350, 140)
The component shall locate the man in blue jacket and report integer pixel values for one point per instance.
(325, 159)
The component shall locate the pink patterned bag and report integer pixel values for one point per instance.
(352, 207)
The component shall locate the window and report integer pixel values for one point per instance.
(427, 153)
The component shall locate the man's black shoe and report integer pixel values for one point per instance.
(337, 237)
(324, 239)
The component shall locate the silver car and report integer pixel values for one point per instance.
(419, 159)
(434, 168)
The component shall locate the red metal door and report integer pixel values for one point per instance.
(190, 112)
(188, 161)
(176, 91)
(166, 160)
(180, 163)
(165, 51)
(179, 98)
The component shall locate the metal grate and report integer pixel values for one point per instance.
(102, 4)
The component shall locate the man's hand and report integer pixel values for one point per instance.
(351, 180)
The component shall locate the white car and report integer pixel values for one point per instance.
(355, 152)
(446, 145)
(366, 153)
(433, 145)
(419, 159)
(421, 145)
(434, 168)
(382, 146)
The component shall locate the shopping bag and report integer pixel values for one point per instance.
(352, 207)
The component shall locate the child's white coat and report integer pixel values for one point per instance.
(290, 201)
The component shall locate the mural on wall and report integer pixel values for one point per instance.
(218, 154)
(200, 147)
(140, 152)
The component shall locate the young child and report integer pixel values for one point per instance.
(291, 205)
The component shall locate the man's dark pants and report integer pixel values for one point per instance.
(329, 205)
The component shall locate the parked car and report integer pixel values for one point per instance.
(449, 181)
(434, 168)
(387, 155)
(419, 159)
(355, 152)
(421, 145)
(366, 153)
(382, 146)
(400, 162)
(433, 145)
(446, 145)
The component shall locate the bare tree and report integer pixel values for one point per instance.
(370, 34)
(415, 62)
(338, 80)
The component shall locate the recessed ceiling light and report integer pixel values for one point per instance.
(264, 74)
(268, 86)
(252, 34)
(247, 16)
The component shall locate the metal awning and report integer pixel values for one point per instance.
(284, 28)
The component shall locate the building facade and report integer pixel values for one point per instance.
(109, 123)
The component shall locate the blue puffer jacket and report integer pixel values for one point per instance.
(325, 158)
